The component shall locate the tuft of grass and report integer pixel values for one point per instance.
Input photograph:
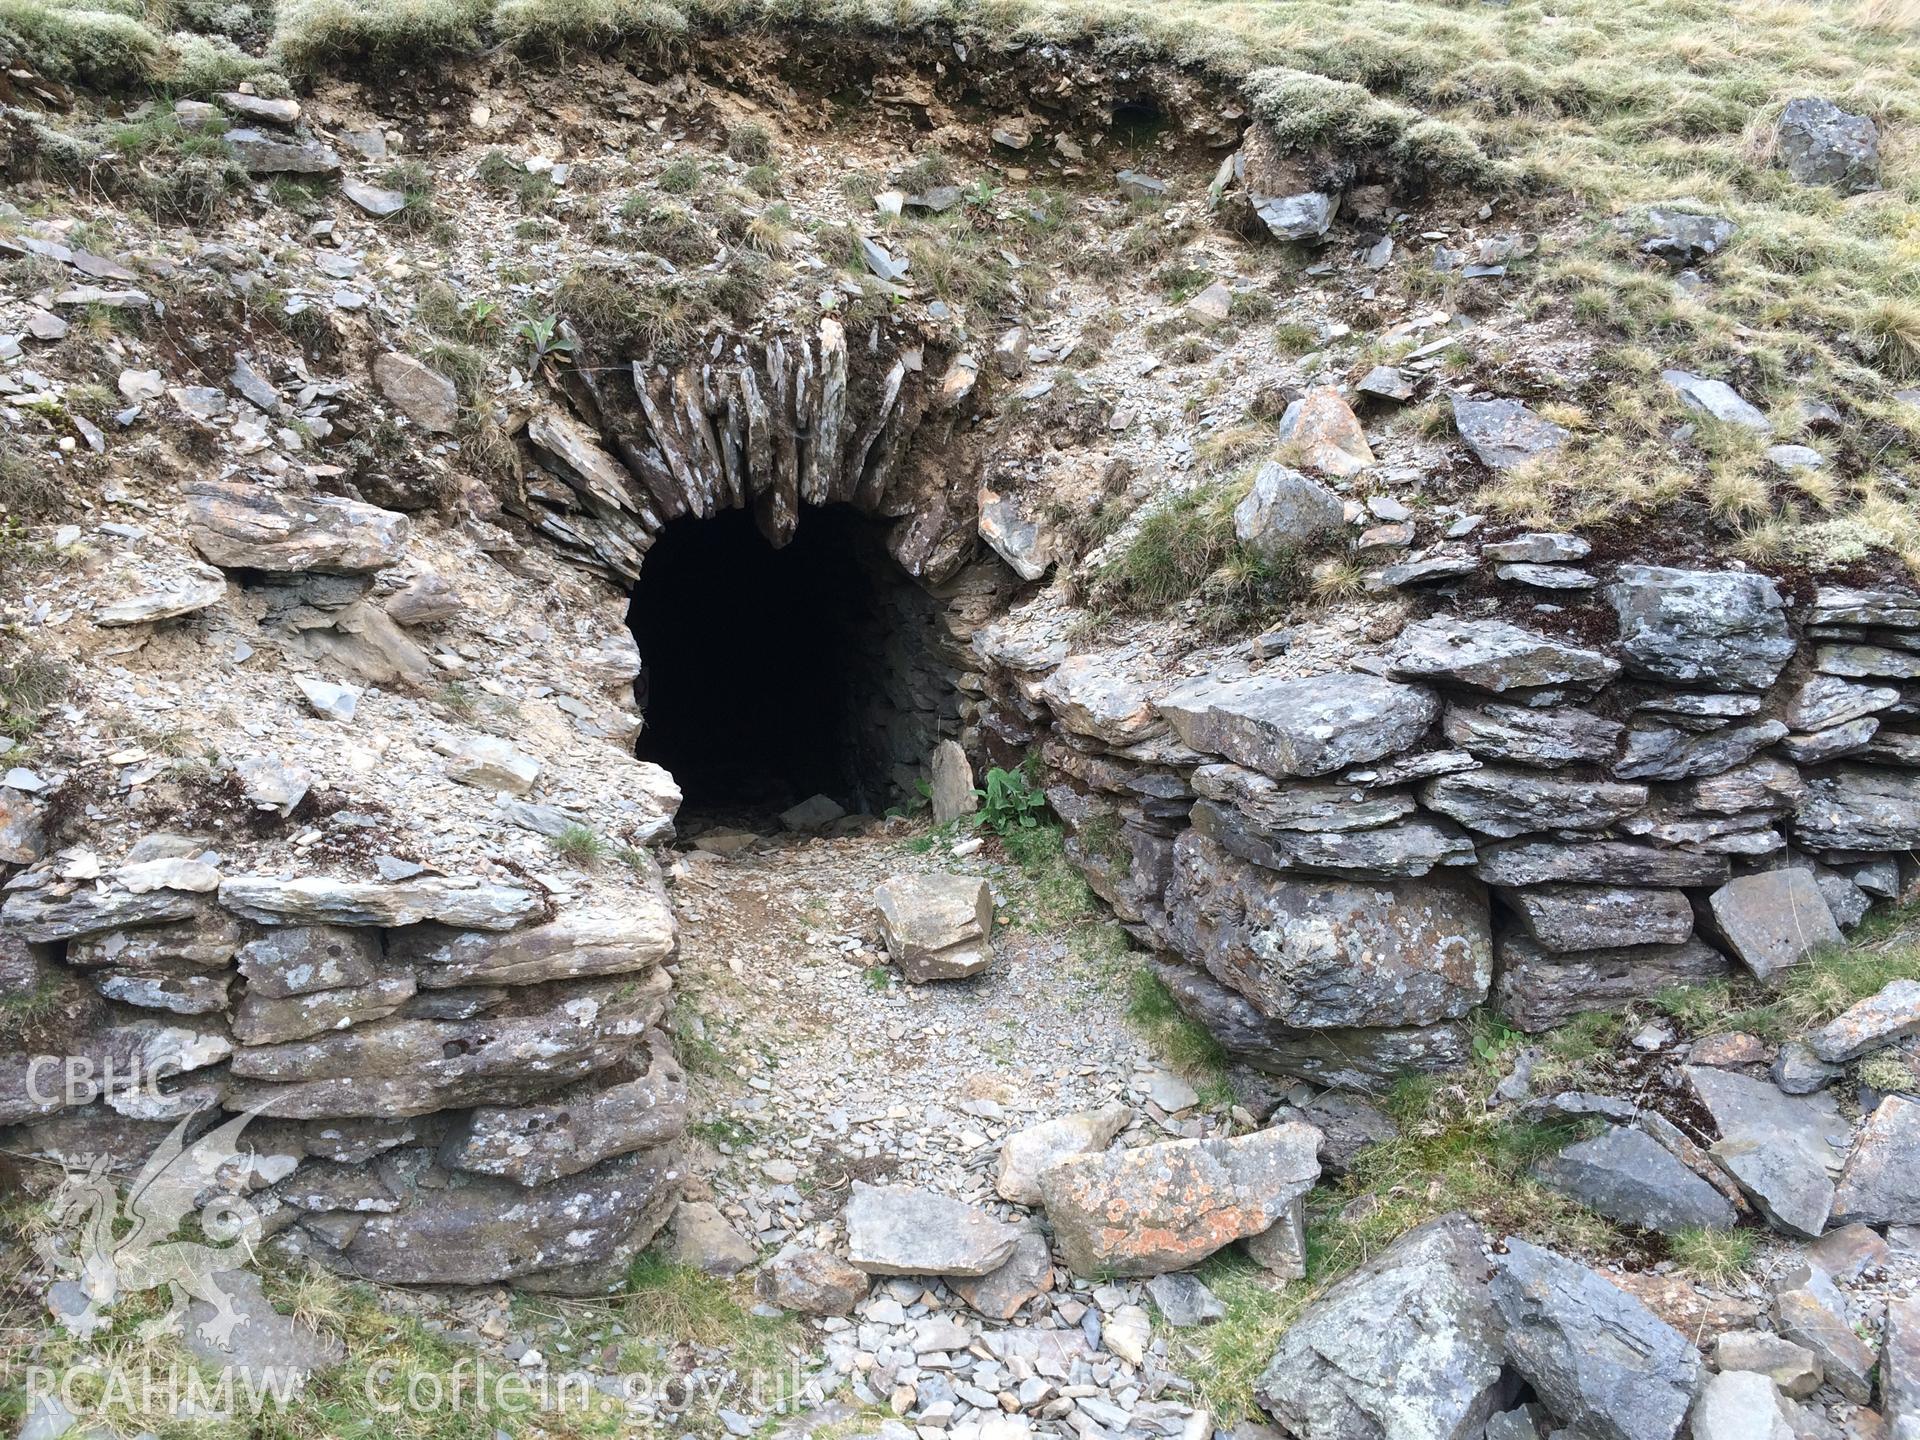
(1228, 1355)
(310, 34)
(1184, 1043)
(97, 45)
(579, 845)
(1186, 550)
(1712, 1257)
(1052, 892)
(681, 1305)
(1889, 335)
(30, 488)
(750, 142)
(30, 686)
(681, 177)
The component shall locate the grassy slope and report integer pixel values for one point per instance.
(1591, 109)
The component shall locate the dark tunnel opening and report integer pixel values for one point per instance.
(772, 675)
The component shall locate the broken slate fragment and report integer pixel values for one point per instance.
(1629, 1177)
(1715, 398)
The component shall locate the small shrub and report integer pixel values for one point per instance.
(671, 232)
(30, 488)
(501, 173)
(763, 180)
(29, 687)
(681, 177)
(1009, 801)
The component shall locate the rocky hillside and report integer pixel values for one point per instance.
(1103, 725)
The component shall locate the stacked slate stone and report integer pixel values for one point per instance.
(451, 1083)
(1337, 868)
(761, 427)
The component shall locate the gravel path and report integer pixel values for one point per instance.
(821, 1068)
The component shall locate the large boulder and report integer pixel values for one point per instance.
(937, 927)
(1600, 1360)
(1165, 1207)
(1317, 953)
(1311, 725)
(248, 527)
(1717, 629)
(899, 1230)
(1408, 1346)
(1821, 144)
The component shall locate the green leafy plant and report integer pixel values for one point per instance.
(1009, 801)
(543, 337)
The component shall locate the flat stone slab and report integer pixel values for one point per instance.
(1493, 655)
(1876, 1022)
(1313, 725)
(899, 1230)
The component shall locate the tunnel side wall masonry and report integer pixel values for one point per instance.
(1286, 844)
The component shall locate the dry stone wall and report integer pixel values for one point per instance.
(450, 1081)
(1335, 869)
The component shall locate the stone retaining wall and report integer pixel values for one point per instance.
(1335, 869)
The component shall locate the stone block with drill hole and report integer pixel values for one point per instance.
(937, 927)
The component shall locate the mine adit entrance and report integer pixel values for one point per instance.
(770, 675)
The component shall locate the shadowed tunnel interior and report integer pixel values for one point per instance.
(771, 675)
